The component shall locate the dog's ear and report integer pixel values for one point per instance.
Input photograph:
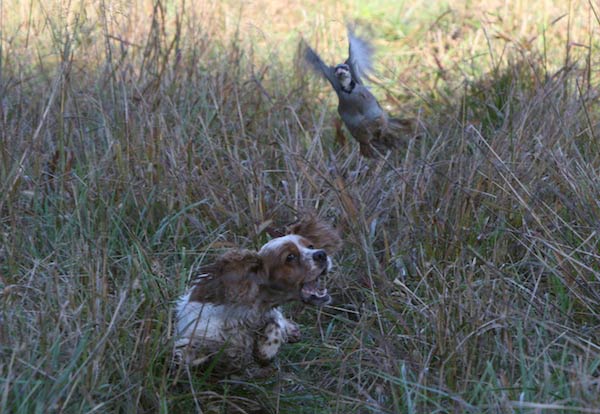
(234, 278)
(322, 234)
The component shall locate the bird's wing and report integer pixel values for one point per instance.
(320, 67)
(360, 55)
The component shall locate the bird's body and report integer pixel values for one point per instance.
(363, 117)
(367, 122)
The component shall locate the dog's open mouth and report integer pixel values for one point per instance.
(313, 293)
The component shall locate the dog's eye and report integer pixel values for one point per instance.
(290, 257)
(311, 247)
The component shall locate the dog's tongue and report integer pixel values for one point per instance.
(312, 293)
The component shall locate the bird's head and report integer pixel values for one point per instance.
(342, 73)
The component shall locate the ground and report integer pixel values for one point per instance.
(138, 141)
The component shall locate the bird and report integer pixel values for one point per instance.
(364, 117)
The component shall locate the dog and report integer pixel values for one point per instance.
(230, 317)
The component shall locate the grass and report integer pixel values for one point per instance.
(139, 141)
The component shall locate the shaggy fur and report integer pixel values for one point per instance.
(230, 315)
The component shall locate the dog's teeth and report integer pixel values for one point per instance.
(321, 294)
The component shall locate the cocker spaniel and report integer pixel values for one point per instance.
(230, 316)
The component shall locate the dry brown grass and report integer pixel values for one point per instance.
(138, 141)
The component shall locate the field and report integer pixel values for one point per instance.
(139, 140)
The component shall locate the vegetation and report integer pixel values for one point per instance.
(140, 140)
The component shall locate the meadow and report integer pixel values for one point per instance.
(139, 140)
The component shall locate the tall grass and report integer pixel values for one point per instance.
(140, 140)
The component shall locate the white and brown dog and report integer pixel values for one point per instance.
(231, 316)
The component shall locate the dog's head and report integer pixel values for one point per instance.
(286, 268)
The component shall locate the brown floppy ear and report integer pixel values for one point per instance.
(322, 234)
(234, 278)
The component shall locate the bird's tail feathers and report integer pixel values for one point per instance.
(397, 134)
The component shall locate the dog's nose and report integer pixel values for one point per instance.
(320, 256)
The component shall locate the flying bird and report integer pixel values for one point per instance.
(367, 122)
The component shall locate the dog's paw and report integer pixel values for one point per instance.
(293, 333)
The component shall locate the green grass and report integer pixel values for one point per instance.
(140, 141)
